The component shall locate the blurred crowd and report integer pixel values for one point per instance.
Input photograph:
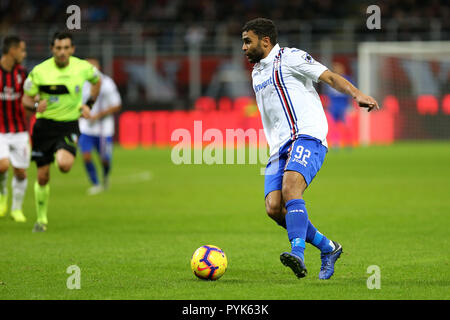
(172, 25)
(117, 12)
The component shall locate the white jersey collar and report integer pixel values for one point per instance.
(270, 56)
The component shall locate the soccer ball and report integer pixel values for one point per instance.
(209, 262)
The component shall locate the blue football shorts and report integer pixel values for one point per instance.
(103, 145)
(304, 155)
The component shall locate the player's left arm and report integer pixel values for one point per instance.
(343, 85)
(113, 100)
(104, 113)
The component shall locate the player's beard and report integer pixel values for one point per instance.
(255, 55)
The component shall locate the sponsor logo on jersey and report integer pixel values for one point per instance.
(9, 94)
(263, 85)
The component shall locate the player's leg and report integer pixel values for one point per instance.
(274, 202)
(86, 144)
(64, 160)
(43, 141)
(273, 177)
(275, 208)
(294, 185)
(4, 166)
(304, 161)
(106, 147)
(20, 161)
(41, 196)
(90, 168)
(296, 219)
(19, 187)
(66, 146)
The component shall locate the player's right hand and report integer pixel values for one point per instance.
(42, 106)
(365, 101)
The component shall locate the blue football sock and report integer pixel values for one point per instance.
(92, 173)
(297, 224)
(318, 240)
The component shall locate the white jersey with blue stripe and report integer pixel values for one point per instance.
(108, 97)
(288, 103)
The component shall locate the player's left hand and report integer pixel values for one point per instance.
(85, 111)
(365, 101)
(95, 117)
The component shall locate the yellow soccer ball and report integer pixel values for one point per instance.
(209, 262)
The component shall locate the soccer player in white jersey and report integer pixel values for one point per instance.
(296, 128)
(98, 131)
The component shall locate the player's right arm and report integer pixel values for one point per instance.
(302, 63)
(30, 95)
(343, 85)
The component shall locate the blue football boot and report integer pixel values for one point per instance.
(295, 263)
(328, 261)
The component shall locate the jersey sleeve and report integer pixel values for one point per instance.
(30, 87)
(92, 74)
(300, 62)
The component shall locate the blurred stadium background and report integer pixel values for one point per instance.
(183, 59)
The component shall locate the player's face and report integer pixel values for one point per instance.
(19, 53)
(252, 46)
(62, 50)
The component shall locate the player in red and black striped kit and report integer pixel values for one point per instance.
(14, 138)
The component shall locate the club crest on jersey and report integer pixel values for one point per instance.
(307, 58)
(18, 78)
(77, 89)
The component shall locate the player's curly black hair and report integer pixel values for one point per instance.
(262, 27)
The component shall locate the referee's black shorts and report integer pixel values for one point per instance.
(49, 136)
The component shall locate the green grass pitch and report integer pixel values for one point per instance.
(387, 205)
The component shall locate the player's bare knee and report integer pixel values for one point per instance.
(65, 160)
(64, 167)
(43, 178)
(273, 208)
(20, 174)
(4, 165)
